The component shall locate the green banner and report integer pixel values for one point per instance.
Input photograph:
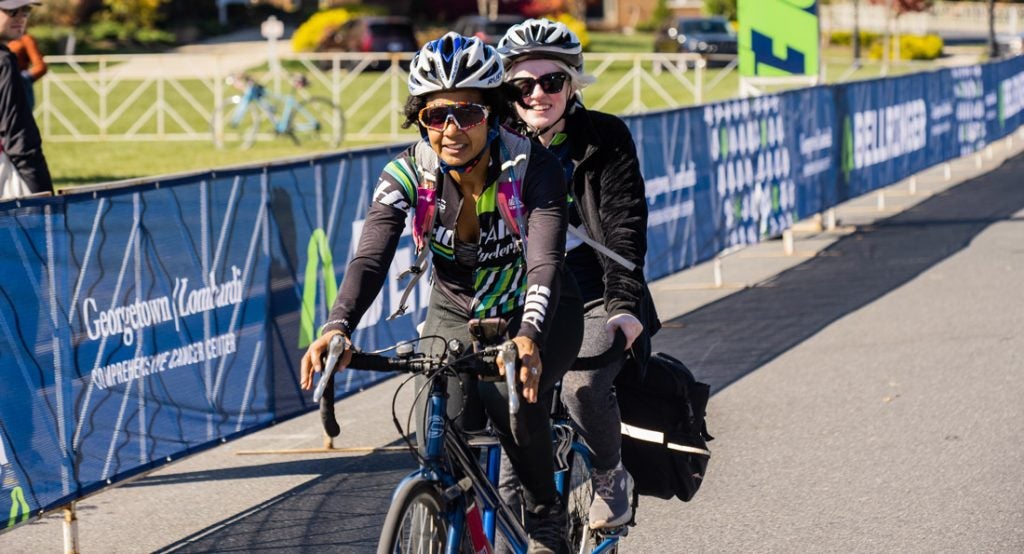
(778, 37)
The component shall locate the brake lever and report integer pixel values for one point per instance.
(509, 357)
(335, 350)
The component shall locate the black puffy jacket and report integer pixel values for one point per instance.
(609, 193)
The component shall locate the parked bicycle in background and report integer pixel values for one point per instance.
(256, 112)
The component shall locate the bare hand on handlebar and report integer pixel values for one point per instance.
(530, 368)
(312, 360)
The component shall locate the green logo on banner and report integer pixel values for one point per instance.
(778, 37)
(317, 251)
(847, 151)
(18, 506)
(723, 142)
(1000, 107)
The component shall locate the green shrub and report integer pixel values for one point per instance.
(911, 47)
(153, 37)
(108, 30)
(50, 38)
(845, 38)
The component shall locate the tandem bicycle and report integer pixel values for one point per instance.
(451, 502)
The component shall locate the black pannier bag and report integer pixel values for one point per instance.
(664, 435)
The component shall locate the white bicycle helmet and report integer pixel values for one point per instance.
(541, 38)
(454, 62)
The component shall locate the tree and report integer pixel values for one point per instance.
(725, 8)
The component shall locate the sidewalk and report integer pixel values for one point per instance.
(214, 57)
(254, 490)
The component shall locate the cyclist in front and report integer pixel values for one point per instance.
(482, 268)
(608, 211)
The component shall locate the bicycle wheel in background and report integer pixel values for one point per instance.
(235, 125)
(318, 121)
(415, 521)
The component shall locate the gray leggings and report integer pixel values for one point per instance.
(589, 394)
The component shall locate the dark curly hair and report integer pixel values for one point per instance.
(499, 100)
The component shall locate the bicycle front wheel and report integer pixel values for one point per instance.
(234, 124)
(318, 121)
(415, 521)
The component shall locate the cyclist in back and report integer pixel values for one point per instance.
(457, 180)
(607, 241)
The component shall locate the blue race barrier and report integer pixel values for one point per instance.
(142, 323)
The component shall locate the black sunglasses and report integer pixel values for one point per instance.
(550, 83)
(24, 10)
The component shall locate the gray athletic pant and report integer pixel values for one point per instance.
(589, 394)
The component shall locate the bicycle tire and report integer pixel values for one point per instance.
(579, 494)
(230, 129)
(415, 522)
(318, 121)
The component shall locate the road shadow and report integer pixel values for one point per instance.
(341, 511)
(725, 340)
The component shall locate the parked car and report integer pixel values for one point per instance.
(711, 37)
(372, 34)
(486, 29)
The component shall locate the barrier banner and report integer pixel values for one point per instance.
(35, 468)
(141, 323)
(317, 216)
(670, 152)
(168, 313)
(1004, 96)
(885, 129)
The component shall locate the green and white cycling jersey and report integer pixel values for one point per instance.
(489, 276)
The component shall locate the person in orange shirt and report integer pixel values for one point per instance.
(30, 62)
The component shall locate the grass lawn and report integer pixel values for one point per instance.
(74, 163)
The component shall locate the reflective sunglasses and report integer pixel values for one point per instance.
(550, 83)
(465, 115)
(24, 10)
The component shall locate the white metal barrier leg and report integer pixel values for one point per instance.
(718, 272)
(70, 529)
(912, 185)
(830, 219)
(881, 201)
(787, 242)
(947, 171)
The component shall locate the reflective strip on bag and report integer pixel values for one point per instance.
(640, 433)
(689, 449)
(648, 435)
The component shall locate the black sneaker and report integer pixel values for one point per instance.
(545, 526)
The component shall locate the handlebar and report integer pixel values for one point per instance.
(482, 363)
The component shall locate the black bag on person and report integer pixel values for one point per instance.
(664, 435)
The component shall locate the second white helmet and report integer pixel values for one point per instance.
(541, 38)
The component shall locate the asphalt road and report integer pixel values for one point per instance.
(868, 396)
